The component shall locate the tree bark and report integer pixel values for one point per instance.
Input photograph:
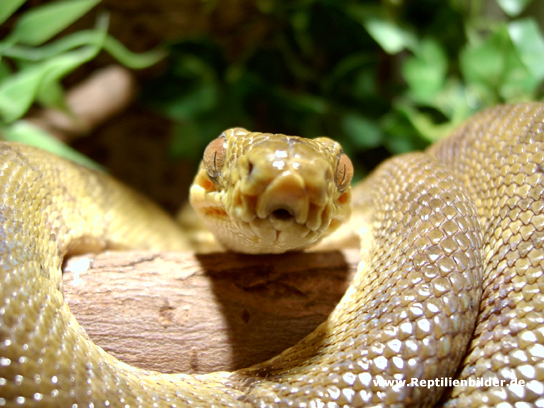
(181, 312)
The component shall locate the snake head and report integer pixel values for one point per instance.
(271, 193)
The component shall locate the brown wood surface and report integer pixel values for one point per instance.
(181, 312)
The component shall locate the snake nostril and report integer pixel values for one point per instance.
(282, 214)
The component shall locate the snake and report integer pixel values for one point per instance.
(446, 307)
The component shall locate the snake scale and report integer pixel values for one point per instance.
(448, 292)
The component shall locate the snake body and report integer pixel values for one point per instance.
(449, 285)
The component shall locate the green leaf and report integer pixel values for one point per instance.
(5, 71)
(8, 7)
(424, 124)
(25, 132)
(17, 92)
(391, 36)
(194, 102)
(191, 136)
(529, 44)
(300, 102)
(455, 102)
(359, 62)
(67, 43)
(86, 37)
(484, 63)
(131, 59)
(187, 141)
(425, 72)
(42, 23)
(494, 70)
(50, 92)
(401, 136)
(513, 7)
(191, 90)
(60, 66)
(51, 95)
(518, 83)
(362, 131)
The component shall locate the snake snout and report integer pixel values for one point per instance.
(284, 200)
(288, 200)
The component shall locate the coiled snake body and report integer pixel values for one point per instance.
(449, 286)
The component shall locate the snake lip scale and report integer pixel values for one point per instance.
(446, 309)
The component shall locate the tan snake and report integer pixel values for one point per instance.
(449, 286)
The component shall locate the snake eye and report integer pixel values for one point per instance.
(344, 172)
(214, 156)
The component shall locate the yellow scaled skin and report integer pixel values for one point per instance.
(449, 283)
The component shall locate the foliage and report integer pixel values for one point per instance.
(32, 66)
(381, 77)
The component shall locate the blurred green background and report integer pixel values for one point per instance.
(382, 77)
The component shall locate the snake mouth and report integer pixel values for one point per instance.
(278, 232)
(282, 211)
(281, 214)
(273, 221)
(281, 219)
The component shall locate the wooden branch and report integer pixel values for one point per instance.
(180, 312)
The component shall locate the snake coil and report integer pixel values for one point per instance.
(449, 287)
